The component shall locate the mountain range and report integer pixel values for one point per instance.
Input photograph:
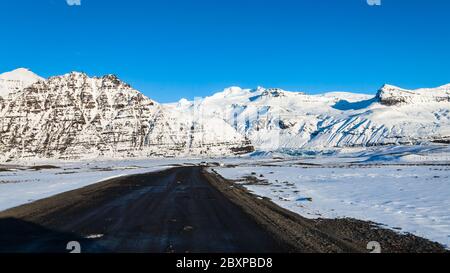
(74, 116)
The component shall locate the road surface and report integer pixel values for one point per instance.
(183, 210)
(176, 211)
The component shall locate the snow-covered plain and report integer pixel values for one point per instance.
(406, 188)
(403, 188)
(24, 181)
(21, 185)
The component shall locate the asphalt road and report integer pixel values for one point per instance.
(173, 211)
(184, 210)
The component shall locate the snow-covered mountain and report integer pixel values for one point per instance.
(274, 119)
(392, 95)
(16, 80)
(74, 116)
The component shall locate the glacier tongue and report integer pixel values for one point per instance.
(74, 116)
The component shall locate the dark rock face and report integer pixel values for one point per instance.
(74, 116)
(442, 140)
(390, 95)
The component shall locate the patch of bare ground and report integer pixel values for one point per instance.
(43, 167)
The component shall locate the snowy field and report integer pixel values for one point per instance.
(405, 188)
(20, 185)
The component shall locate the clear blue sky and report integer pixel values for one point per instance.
(170, 49)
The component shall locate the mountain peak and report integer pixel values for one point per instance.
(77, 73)
(230, 92)
(21, 70)
(20, 74)
(111, 76)
(392, 95)
(389, 87)
(114, 80)
(16, 80)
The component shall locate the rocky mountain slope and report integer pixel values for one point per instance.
(74, 116)
(392, 95)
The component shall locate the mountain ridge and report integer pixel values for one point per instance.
(74, 116)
